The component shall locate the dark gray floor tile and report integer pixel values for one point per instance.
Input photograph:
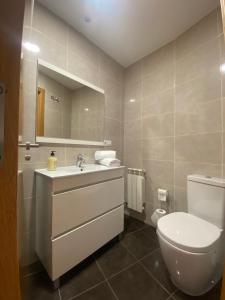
(151, 232)
(100, 292)
(139, 243)
(214, 294)
(131, 224)
(114, 259)
(155, 264)
(135, 283)
(84, 276)
(38, 287)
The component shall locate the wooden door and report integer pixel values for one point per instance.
(11, 23)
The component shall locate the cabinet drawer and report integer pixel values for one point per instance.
(73, 208)
(71, 248)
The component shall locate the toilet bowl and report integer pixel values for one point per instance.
(190, 248)
(193, 244)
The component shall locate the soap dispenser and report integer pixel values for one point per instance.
(52, 161)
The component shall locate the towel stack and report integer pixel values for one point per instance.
(107, 158)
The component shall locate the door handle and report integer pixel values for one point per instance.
(2, 119)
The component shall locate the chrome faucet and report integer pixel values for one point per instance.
(80, 160)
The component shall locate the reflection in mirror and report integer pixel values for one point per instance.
(68, 108)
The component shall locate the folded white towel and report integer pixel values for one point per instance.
(110, 162)
(105, 154)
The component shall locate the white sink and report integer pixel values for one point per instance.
(74, 170)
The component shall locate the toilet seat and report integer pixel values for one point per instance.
(189, 232)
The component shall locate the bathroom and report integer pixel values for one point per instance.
(152, 116)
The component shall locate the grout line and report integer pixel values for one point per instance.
(60, 297)
(129, 233)
(87, 290)
(111, 288)
(170, 297)
(106, 279)
(149, 254)
(32, 14)
(211, 70)
(139, 261)
(174, 122)
(124, 269)
(153, 277)
(172, 294)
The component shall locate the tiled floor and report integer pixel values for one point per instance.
(131, 268)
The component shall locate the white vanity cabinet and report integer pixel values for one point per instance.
(76, 214)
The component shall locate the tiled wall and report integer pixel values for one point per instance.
(88, 110)
(57, 115)
(175, 126)
(64, 47)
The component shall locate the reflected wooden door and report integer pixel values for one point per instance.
(11, 24)
(40, 115)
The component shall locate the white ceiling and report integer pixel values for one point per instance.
(128, 30)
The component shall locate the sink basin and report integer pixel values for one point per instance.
(74, 170)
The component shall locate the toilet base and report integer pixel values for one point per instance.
(193, 294)
(192, 273)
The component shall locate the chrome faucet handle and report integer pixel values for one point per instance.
(80, 160)
(80, 156)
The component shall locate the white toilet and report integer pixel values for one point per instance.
(192, 243)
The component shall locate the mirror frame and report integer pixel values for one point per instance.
(50, 140)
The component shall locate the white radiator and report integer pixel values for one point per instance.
(136, 189)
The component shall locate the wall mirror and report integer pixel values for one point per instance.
(69, 109)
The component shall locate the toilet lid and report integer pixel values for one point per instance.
(188, 232)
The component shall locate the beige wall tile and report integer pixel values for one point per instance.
(27, 13)
(133, 73)
(49, 24)
(110, 68)
(50, 50)
(132, 101)
(152, 197)
(198, 62)
(82, 48)
(159, 172)
(219, 20)
(158, 103)
(202, 148)
(133, 153)
(223, 137)
(113, 99)
(132, 129)
(200, 90)
(28, 255)
(199, 34)
(158, 81)
(201, 118)
(79, 66)
(158, 126)
(183, 169)
(158, 149)
(180, 199)
(159, 61)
